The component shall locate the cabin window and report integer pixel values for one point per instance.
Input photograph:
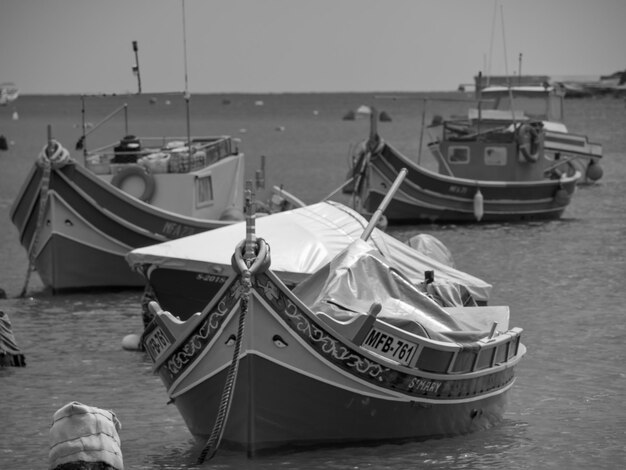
(204, 191)
(495, 156)
(458, 154)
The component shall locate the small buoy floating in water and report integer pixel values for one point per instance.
(15, 116)
(479, 210)
(594, 171)
(132, 342)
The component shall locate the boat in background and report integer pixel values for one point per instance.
(184, 275)
(355, 354)
(486, 173)
(8, 93)
(502, 105)
(78, 221)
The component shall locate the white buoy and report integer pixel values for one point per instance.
(15, 116)
(479, 210)
(132, 342)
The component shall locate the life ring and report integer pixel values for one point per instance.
(528, 142)
(136, 171)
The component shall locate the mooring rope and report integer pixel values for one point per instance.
(210, 448)
(53, 155)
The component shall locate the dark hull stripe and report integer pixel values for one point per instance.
(26, 200)
(143, 215)
(403, 212)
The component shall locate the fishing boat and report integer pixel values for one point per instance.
(486, 173)
(77, 221)
(8, 93)
(503, 105)
(183, 275)
(355, 354)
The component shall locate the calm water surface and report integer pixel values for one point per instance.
(563, 280)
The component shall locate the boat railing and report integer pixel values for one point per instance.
(160, 154)
(417, 351)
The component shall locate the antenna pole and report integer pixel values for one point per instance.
(136, 67)
(506, 69)
(187, 96)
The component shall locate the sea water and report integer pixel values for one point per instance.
(564, 281)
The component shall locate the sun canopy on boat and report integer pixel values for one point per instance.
(359, 277)
(301, 241)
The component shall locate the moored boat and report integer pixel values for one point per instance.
(77, 221)
(486, 173)
(184, 274)
(355, 354)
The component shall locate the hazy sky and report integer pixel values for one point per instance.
(85, 46)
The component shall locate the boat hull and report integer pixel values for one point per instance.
(301, 383)
(425, 196)
(77, 228)
(283, 408)
(69, 264)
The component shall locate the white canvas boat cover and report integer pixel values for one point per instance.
(359, 277)
(301, 241)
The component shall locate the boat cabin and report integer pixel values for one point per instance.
(492, 153)
(199, 178)
(538, 102)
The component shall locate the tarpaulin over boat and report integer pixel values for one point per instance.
(359, 277)
(301, 241)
